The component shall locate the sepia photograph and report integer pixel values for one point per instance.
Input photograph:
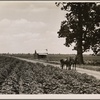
(49, 47)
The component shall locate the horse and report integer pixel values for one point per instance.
(73, 62)
(69, 62)
(65, 62)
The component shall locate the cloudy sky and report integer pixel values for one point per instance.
(26, 26)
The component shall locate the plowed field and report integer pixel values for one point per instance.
(21, 77)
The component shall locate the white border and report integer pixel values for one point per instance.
(51, 96)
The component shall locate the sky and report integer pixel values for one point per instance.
(26, 26)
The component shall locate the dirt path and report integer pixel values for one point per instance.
(80, 70)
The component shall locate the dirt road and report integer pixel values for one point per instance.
(80, 70)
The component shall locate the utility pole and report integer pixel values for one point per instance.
(47, 55)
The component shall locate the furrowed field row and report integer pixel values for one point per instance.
(31, 78)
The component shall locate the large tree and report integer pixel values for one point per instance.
(82, 26)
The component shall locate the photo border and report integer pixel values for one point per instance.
(52, 96)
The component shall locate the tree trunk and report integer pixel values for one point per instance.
(79, 39)
(79, 52)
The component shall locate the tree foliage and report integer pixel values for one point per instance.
(82, 25)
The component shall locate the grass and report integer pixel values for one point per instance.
(91, 62)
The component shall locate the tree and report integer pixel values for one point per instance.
(82, 26)
(96, 49)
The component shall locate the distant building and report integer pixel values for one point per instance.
(40, 55)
